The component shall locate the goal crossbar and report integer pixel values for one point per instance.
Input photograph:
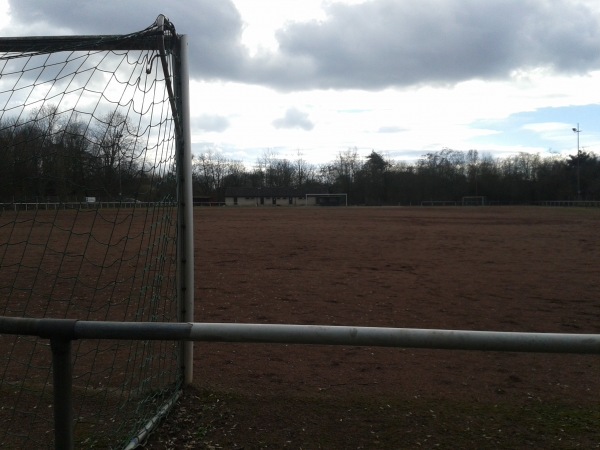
(155, 37)
(84, 43)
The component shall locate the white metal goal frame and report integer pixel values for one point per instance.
(473, 200)
(343, 196)
(144, 74)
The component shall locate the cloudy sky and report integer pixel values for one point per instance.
(401, 77)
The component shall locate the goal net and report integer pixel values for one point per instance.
(473, 200)
(89, 132)
(326, 200)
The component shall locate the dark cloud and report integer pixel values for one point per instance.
(208, 122)
(214, 27)
(385, 43)
(294, 118)
(371, 45)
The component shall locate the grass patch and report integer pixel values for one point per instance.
(232, 420)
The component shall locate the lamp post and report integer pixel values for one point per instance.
(577, 131)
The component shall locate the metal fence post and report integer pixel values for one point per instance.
(63, 393)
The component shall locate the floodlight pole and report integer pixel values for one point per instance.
(577, 131)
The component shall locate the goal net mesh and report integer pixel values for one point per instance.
(88, 217)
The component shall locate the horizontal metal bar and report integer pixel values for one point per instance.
(43, 44)
(159, 331)
(398, 337)
(312, 334)
(46, 328)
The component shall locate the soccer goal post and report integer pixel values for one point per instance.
(96, 223)
(473, 200)
(326, 199)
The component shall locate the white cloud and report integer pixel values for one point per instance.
(547, 127)
(294, 118)
(339, 45)
(390, 129)
(209, 122)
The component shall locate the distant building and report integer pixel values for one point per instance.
(244, 196)
(205, 200)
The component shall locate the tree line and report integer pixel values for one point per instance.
(48, 157)
(445, 175)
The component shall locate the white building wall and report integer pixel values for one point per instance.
(268, 201)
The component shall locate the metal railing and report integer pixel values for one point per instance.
(54, 206)
(62, 332)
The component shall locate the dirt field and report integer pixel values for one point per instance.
(503, 269)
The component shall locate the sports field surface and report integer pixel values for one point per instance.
(479, 268)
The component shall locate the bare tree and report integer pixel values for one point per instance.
(209, 169)
(115, 150)
(472, 161)
(213, 172)
(304, 172)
